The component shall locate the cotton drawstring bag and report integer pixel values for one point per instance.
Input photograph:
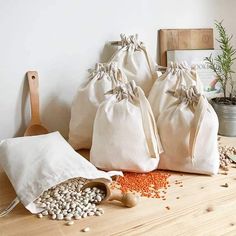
(135, 62)
(186, 122)
(103, 78)
(177, 74)
(125, 135)
(35, 164)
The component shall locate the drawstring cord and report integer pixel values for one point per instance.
(192, 97)
(133, 93)
(149, 124)
(109, 69)
(132, 42)
(10, 207)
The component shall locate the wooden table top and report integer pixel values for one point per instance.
(204, 208)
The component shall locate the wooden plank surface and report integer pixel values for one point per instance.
(180, 39)
(188, 215)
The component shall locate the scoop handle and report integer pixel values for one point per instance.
(33, 81)
(128, 199)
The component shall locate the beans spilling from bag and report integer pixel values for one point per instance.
(147, 184)
(226, 154)
(66, 201)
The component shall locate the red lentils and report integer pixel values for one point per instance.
(147, 185)
(209, 209)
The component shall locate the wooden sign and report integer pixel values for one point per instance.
(177, 39)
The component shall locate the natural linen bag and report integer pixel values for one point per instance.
(186, 122)
(125, 135)
(136, 62)
(103, 78)
(35, 164)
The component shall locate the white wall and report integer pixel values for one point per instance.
(61, 39)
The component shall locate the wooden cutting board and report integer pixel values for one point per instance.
(180, 39)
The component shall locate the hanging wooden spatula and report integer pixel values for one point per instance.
(35, 127)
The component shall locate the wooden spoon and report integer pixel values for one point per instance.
(35, 127)
(128, 199)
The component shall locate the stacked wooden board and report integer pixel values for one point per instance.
(179, 39)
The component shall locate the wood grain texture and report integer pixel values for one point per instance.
(187, 215)
(33, 81)
(35, 127)
(177, 39)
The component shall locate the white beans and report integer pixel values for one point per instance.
(85, 229)
(69, 223)
(60, 217)
(224, 158)
(44, 213)
(66, 201)
(77, 217)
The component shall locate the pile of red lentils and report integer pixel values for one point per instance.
(147, 184)
(154, 184)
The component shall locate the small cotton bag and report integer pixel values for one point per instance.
(35, 164)
(187, 123)
(125, 135)
(103, 78)
(135, 62)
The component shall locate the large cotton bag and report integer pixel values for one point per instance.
(186, 122)
(103, 78)
(132, 57)
(125, 135)
(35, 164)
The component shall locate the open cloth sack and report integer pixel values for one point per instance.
(35, 164)
(125, 135)
(136, 62)
(103, 78)
(186, 122)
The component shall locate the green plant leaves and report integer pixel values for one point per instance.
(222, 63)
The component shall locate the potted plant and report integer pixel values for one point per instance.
(225, 106)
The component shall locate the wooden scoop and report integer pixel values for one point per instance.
(128, 199)
(35, 127)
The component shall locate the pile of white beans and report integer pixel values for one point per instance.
(225, 151)
(66, 201)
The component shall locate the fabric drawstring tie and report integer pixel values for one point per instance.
(10, 207)
(200, 111)
(132, 42)
(111, 70)
(148, 61)
(135, 94)
(149, 124)
(192, 97)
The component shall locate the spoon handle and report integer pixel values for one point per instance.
(117, 196)
(128, 199)
(33, 81)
